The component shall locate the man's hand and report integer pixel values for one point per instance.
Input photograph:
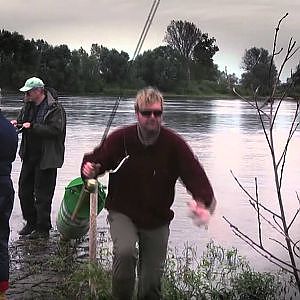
(90, 170)
(198, 213)
(14, 123)
(26, 125)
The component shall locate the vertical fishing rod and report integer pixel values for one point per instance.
(146, 28)
(110, 120)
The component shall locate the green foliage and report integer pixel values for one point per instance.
(17, 59)
(112, 65)
(256, 62)
(195, 48)
(252, 285)
(184, 66)
(218, 274)
(161, 67)
(183, 36)
(89, 281)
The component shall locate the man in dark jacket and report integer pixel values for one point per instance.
(9, 143)
(147, 159)
(43, 121)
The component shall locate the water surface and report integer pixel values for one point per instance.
(224, 134)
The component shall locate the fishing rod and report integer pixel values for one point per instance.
(110, 120)
(146, 28)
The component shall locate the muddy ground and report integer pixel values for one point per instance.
(39, 268)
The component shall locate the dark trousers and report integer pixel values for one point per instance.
(149, 258)
(6, 205)
(36, 190)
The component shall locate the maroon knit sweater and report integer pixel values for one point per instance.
(144, 186)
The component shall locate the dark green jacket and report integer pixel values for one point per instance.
(52, 131)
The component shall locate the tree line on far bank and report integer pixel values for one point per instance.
(183, 66)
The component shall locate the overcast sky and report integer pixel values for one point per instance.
(236, 24)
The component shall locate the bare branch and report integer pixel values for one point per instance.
(295, 216)
(243, 98)
(275, 43)
(280, 230)
(298, 249)
(279, 51)
(240, 185)
(278, 223)
(293, 129)
(235, 229)
(258, 213)
(285, 247)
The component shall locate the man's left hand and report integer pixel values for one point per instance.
(198, 213)
(26, 125)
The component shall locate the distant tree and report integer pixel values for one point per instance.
(227, 81)
(203, 64)
(18, 59)
(195, 48)
(160, 67)
(256, 62)
(112, 65)
(42, 49)
(294, 82)
(296, 76)
(183, 36)
(55, 65)
(205, 49)
(77, 80)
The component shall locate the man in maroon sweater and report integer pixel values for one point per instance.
(141, 191)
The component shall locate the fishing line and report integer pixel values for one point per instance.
(110, 120)
(146, 28)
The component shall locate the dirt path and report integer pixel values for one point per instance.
(39, 267)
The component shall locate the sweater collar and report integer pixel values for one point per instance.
(145, 139)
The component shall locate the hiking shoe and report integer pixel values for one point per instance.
(27, 229)
(39, 234)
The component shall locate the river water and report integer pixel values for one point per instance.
(224, 134)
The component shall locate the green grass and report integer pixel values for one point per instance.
(218, 274)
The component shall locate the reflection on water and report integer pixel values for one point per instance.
(224, 134)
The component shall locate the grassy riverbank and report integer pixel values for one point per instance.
(50, 269)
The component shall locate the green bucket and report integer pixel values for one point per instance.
(77, 228)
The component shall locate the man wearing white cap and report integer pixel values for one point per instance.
(43, 120)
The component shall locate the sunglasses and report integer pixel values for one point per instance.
(148, 113)
(28, 92)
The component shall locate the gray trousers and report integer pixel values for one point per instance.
(150, 255)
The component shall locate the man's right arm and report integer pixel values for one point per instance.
(103, 157)
(94, 163)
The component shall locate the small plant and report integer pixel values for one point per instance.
(78, 285)
(252, 285)
(218, 274)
